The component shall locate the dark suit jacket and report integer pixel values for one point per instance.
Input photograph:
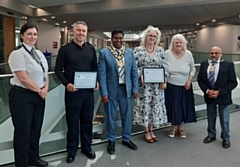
(225, 83)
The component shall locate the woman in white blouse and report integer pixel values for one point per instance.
(27, 98)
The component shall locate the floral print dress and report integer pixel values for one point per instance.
(149, 106)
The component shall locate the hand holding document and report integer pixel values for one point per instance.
(85, 80)
(153, 75)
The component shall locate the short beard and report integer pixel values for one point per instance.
(79, 40)
(214, 59)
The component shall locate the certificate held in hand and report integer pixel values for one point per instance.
(85, 80)
(153, 75)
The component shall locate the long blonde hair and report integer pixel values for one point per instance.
(145, 33)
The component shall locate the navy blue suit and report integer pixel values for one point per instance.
(108, 78)
(225, 83)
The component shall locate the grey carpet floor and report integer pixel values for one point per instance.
(167, 152)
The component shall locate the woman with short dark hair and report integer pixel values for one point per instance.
(27, 98)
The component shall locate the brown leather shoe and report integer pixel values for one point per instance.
(150, 140)
(155, 139)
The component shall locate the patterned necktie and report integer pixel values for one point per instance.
(211, 77)
(35, 55)
(121, 69)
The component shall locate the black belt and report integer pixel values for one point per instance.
(22, 89)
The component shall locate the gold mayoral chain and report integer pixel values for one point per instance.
(119, 58)
(211, 69)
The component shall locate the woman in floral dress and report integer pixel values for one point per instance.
(149, 110)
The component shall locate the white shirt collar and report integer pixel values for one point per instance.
(27, 46)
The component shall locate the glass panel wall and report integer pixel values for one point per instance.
(54, 130)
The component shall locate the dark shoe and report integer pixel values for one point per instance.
(70, 158)
(226, 143)
(130, 144)
(111, 147)
(39, 162)
(209, 139)
(90, 155)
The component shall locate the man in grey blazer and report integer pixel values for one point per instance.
(217, 92)
(118, 80)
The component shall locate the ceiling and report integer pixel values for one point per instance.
(171, 16)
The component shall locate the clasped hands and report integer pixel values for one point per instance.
(43, 93)
(213, 94)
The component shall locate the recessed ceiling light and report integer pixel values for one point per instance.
(57, 24)
(32, 6)
(64, 21)
(197, 24)
(53, 17)
(213, 20)
(44, 19)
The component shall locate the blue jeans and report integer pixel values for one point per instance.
(223, 117)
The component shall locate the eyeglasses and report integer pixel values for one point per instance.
(216, 53)
(152, 36)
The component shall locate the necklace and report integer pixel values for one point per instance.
(150, 51)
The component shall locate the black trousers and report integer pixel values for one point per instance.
(27, 111)
(79, 111)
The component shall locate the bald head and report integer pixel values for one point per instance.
(215, 53)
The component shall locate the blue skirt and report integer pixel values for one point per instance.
(179, 104)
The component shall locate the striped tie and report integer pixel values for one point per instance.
(35, 55)
(121, 69)
(122, 72)
(211, 77)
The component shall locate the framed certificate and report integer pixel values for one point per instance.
(153, 75)
(85, 80)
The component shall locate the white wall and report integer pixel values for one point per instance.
(223, 36)
(236, 33)
(47, 34)
(220, 36)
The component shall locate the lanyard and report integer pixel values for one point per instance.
(34, 58)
